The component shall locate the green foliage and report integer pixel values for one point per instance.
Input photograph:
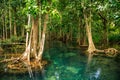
(27, 28)
(66, 17)
(114, 38)
(6, 41)
(14, 38)
(31, 7)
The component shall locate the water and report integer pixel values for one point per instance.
(71, 64)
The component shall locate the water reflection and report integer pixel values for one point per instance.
(92, 75)
(57, 75)
(95, 75)
(43, 73)
(90, 56)
(71, 64)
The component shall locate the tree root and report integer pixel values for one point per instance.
(110, 52)
(9, 60)
(18, 64)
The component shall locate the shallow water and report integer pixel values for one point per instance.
(71, 64)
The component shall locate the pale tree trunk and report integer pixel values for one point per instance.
(40, 23)
(27, 34)
(5, 24)
(91, 46)
(10, 21)
(3, 30)
(14, 27)
(87, 18)
(33, 38)
(26, 54)
(15, 33)
(39, 27)
(39, 57)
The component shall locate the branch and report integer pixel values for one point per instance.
(102, 16)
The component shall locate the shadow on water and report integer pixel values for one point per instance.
(70, 64)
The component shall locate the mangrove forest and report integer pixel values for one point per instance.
(59, 39)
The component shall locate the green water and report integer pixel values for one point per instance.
(71, 64)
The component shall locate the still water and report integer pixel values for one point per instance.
(71, 64)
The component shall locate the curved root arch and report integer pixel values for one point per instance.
(111, 52)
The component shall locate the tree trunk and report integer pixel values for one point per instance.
(10, 20)
(14, 27)
(91, 47)
(43, 39)
(23, 31)
(15, 33)
(27, 34)
(35, 35)
(5, 28)
(26, 54)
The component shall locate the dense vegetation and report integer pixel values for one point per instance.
(88, 23)
(66, 20)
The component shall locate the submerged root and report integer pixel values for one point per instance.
(23, 66)
(110, 52)
(20, 65)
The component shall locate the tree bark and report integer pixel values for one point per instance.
(15, 33)
(14, 28)
(35, 35)
(91, 46)
(3, 30)
(23, 31)
(26, 54)
(6, 29)
(10, 20)
(39, 58)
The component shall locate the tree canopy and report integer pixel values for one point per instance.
(66, 19)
